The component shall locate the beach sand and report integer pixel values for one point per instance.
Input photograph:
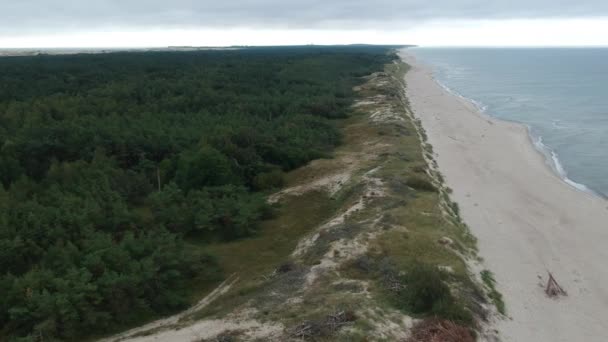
(527, 220)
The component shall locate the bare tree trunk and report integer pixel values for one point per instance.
(158, 178)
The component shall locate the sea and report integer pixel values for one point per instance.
(560, 94)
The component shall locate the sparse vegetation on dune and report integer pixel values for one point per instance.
(437, 330)
(488, 279)
(377, 237)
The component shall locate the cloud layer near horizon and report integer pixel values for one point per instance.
(26, 17)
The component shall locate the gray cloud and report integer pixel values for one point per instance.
(48, 16)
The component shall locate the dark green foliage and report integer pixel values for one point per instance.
(269, 180)
(204, 167)
(420, 183)
(424, 289)
(109, 162)
(425, 292)
(229, 211)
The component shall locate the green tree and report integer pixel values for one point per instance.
(205, 166)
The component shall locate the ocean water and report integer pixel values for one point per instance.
(561, 94)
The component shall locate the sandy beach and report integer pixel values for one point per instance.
(527, 220)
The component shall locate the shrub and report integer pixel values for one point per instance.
(204, 167)
(419, 183)
(269, 180)
(419, 168)
(425, 292)
(424, 289)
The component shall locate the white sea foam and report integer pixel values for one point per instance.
(567, 106)
(553, 160)
(551, 157)
(480, 106)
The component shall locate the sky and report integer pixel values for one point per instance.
(157, 23)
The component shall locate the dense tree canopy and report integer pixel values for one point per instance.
(108, 162)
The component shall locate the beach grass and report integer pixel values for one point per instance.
(488, 279)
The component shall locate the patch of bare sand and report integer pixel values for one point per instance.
(249, 329)
(331, 183)
(387, 115)
(173, 320)
(388, 325)
(374, 188)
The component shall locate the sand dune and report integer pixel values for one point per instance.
(528, 220)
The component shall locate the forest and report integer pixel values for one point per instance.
(109, 163)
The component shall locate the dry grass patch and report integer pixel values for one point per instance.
(438, 330)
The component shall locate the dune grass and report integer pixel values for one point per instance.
(488, 279)
(420, 225)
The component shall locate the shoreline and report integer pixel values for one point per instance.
(527, 219)
(549, 155)
(553, 162)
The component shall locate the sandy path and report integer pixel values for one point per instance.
(131, 335)
(528, 221)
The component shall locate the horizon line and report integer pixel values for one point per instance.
(294, 45)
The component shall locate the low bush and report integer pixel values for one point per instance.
(269, 180)
(425, 292)
(421, 168)
(420, 183)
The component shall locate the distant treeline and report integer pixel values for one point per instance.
(108, 163)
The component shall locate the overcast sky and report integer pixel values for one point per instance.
(106, 23)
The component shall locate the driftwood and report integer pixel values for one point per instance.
(310, 330)
(339, 319)
(553, 289)
(393, 283)
(395, 286)
(306, 330)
